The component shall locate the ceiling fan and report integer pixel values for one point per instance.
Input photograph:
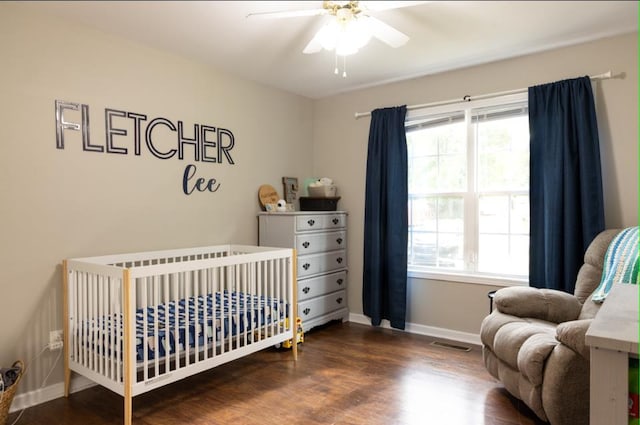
(351, 26)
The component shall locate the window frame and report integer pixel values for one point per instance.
(470, 196)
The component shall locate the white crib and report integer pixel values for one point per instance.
(136, 322)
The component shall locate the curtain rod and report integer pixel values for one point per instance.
(467, 98)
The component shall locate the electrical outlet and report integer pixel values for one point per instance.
(55, 340)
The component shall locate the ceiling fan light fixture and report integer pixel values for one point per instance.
(346, 49)
(346, 38)
(349, 29)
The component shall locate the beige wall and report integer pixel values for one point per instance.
(66, 203)
(340, 150)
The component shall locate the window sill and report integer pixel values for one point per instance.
(462, 277)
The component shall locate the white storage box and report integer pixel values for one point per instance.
(322, 191)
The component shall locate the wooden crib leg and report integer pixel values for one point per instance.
(128, 409)
(67, 379)
(65, 325)
(295, 348)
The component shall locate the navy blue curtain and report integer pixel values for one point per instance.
(384, 286)
(567, 209)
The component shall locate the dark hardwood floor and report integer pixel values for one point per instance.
(346, 374)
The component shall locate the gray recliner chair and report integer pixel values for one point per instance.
(533, 342)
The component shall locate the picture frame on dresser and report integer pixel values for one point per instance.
(320, 240)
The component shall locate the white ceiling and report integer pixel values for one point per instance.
(444, 35)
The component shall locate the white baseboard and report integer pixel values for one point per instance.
(432, 331)
(51, 392)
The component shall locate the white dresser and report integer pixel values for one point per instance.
(320, 238)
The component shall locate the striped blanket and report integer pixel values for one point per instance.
(620, 263)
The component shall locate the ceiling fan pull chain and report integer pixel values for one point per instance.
(344, 66)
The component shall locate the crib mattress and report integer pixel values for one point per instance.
(196, 321)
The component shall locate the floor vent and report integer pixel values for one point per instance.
(450, 346)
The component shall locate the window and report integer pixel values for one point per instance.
(469, 188)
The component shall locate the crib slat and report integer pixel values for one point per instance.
(101, 325)
(94, 327)
(222, 293)
(292, 310)
(89, 303)
(197, 315)
(90, 317)
(270, 294)
(167, 328)
(202, 319)
(260, 325)
(82, 317)
(255, 312)
(187, 296)
(157, 342)
(236, 291)
(129, 333)
(85, 318)
(120, 306)
(230, 289)
(109, 333)
(94, 317)
(176, 335)
(279, 323)
(205, 313)
(248, 301)
(141, 287)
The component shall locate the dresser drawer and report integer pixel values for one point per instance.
(320, 263)
(320, 222)
(309, 288)
(322, 305)
(309, 243)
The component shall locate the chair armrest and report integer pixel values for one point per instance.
(544, 304)
(572, 335)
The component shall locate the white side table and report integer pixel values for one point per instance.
(613, 338)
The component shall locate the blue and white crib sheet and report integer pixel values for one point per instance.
(214, 316)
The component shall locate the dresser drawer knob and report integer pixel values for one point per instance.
(335, 221)
(339, 300)
(340, 281)
(339, 240)
(306, 244)
(339, 260)
(306, 266)
(306, 289)
(311, 222)
(306, 311)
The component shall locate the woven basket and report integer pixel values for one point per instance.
(6, 397)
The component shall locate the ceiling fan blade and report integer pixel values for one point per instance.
(287, 14)
(314, 46)
(376, 6)
(386, 33)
